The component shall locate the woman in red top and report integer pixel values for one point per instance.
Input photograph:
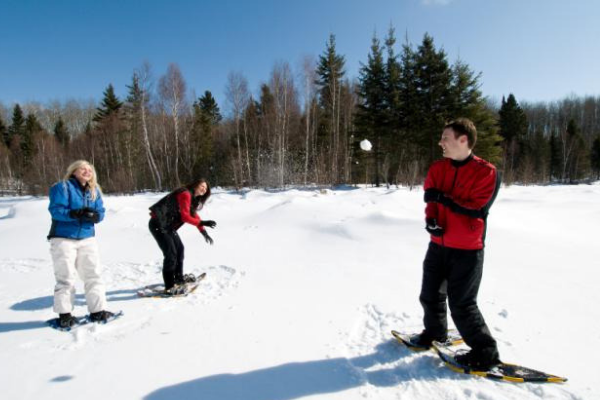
(167, 216)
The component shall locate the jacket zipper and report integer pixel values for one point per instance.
(454, 180)
(451, 190)
(85, 204)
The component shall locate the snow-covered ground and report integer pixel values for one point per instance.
(302, 291)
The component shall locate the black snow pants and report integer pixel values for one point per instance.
(169, 242)
(455, 274)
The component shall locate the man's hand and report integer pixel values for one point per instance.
(433, 228)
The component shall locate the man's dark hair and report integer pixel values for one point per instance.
(464, 126)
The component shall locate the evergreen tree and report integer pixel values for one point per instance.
(433, 94)
(4, 133)
(267, 114)
(513, 128)
(330, 72)
(205, 119)
(133, 102)
(394, 104)
(372, 115)
(513, 121)
(393, 83)
(595, 157)
(465, 92)
(410, 151)
(555, 157)
(61, 133)
(575, 161)
(488, 144)
(209, 107)
(17, 128)
(32, 128)
(467, 101)
(111, 105)
(252, 127)
(132, 136)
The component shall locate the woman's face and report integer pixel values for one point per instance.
(84, 174)
(200, 189)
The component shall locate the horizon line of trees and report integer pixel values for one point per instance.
(299, 128)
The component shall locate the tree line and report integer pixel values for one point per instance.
(299, 127)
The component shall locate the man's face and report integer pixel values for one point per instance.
(452, 147)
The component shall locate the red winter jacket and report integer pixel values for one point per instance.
(184, 199)
(471, 185)
(176, 208)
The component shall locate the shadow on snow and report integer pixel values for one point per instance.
(21, 326)
(41, 303)
(296, 380)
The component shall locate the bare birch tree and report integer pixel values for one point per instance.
(144, 78)
(282, 87)
(309, 91)
(237, 96)
(172, 87)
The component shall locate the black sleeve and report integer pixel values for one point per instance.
(463, 210)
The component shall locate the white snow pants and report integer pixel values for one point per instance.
(72, 258)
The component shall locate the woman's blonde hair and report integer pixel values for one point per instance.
(92, 184)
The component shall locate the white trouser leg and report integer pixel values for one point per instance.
(88, 267)
(64, 253)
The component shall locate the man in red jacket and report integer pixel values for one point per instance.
(459, 189)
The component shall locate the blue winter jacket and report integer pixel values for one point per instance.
(70, 195)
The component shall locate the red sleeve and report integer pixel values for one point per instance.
(184, 199)
(481, 193)
(431, 209)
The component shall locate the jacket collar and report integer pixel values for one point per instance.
(458, 164)
(77, 184)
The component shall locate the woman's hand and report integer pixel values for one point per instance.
(207, 237)
(211, 224)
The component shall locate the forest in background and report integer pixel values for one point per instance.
(302, 126)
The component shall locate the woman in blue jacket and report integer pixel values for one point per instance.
(76, 206)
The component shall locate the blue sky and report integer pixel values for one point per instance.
(60, 49)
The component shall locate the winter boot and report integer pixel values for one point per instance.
(480, 360)
(66, 320)
(176, 290)
(100, 316)
(424, 339)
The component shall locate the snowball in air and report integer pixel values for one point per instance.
(366, 145)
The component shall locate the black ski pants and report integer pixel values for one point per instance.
(169, 242)
(455, 275)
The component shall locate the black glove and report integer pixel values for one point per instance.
(433, 228)
(209, 223)
(90, 215)
(76, 214)
(207, 237)
(436, 196)
(433, 195)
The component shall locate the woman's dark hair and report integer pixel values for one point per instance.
(193, 185)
